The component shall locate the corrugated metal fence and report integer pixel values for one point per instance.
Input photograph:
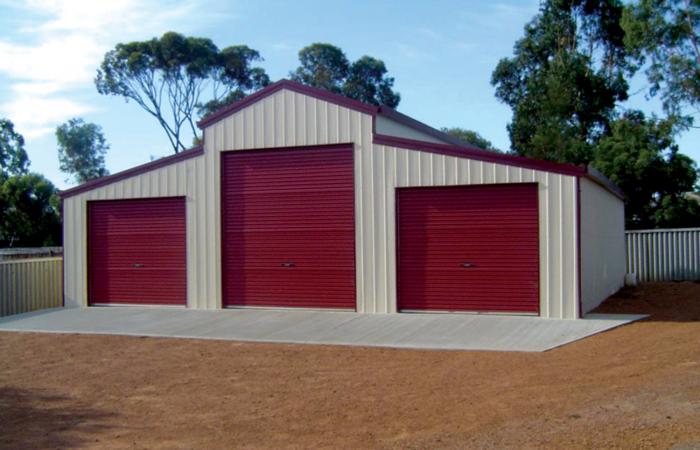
(30, 284)
(664, 255)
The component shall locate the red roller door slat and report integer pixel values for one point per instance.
(136, 252)
(494, 227)
(288, 206)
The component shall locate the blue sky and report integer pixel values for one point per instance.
(441, 54)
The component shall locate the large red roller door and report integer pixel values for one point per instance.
(469, 248)
(288, 227)
(136, 251)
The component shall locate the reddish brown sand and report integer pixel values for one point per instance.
(637, 386)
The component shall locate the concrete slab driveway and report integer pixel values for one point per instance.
(421, 331)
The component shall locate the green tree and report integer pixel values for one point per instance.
(13, 157)
(325, 66)
(29, 212)
(664, 36)
(169, 77)
(470, 137)
(564, 80)
(640, 156)
(367, 82)
(234, 77)
(81, 150)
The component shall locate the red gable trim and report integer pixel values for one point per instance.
(320, 94)
(481, 155)
(138, 170)
(459, 149)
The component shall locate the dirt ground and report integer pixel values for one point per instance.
(637, 386)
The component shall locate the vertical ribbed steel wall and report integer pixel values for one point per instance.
(393, 167)
(603, 260)
(30, 284)
(664, 255)
(186, 178)
(286, 118)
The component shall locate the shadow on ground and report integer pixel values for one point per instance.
(664, 302)
(40, 419)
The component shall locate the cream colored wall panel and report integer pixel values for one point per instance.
(173, 180)
(411, 168)
(603, 256)
(293, 120)
(288, 118)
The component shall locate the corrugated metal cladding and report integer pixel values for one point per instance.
(664, 255)
(289, 228)
(285, 119)
(30, 284)
(186, 178)
(136, 252)
(469, 248)
(602, 244)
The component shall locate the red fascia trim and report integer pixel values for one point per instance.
(138, 170)
(479, 154)
(320, 94)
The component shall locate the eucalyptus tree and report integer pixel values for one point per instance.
(81, 150)
(175, 76)
(664, 37)
(325, 66)
(565, 78)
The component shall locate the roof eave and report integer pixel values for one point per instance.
(134, 171)
(294, 86)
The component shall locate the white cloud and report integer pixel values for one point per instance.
(63, 44)
(38, 115)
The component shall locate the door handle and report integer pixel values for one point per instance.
(467, 265)
(137, 265)
(287, 264)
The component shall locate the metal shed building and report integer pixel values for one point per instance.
(303, 198)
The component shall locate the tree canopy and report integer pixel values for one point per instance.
(325, 66)
(174, 76)
(29, 212)
(664, 37)
(564, 80)
(640, 156)
(28, 202)
(565, 83)
(13, 157)
(81, 150)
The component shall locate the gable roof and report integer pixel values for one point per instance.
(452, 147)
(330, 97)
(294, 86)
(132, 172)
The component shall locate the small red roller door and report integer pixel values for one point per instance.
(288, 228)
(136, 251)
(469, 248)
